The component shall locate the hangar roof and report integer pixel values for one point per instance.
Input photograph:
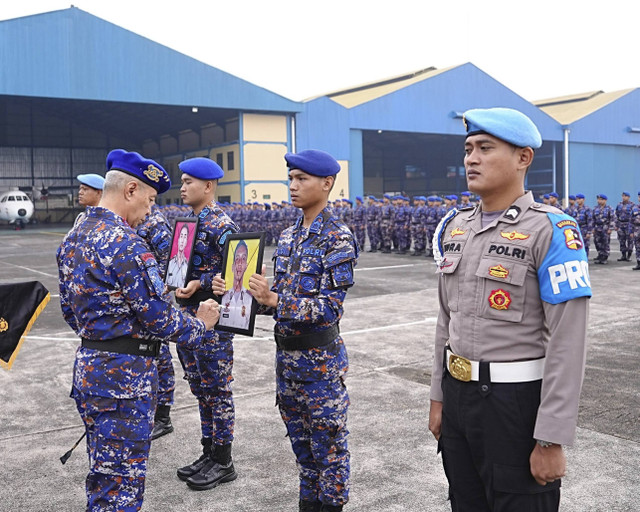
(569, 109)
(74, 55)
(354, 96)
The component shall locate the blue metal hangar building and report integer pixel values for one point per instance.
(75, 86)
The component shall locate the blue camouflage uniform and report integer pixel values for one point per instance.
(156, 232)
(373, 219)
(401, 227)
(603, 224)
(624, 226)
(209, 371)
(313, 269)
(584, 216)
(110, 287)
(635, 219)
(359, 221)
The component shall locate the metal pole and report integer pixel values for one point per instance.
(566, 166)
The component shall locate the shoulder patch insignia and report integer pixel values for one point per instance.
(498, 271)
(567, 222)
(146, 257)
(223, 237)
(514, 235)
(572, 238)
(499, 299)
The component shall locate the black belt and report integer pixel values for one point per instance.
(307, 341)
(195, 299)
(125, 345)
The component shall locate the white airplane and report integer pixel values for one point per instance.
(15, 208)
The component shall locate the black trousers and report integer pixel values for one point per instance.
(487, 438)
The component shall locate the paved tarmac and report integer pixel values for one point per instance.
(388, 327)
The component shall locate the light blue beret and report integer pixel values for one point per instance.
(146, 170)
(91, 180)
(201, 168)
(314, 162)
(626, 194)
(507, 124)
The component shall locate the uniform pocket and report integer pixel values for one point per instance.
(448, 268)
(310, 275)
(503, 290)
(518, 480)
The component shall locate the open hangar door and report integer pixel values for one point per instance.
(427, 163)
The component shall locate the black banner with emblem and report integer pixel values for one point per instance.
(20, 305)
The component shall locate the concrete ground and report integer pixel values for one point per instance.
(388, 327)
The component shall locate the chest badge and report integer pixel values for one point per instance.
(498, 271)
(457, 231)
(500, 299)
(514, 235)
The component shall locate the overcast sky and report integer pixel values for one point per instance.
(303, 48)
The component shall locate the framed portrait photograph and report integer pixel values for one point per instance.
(242, 258)
(180, 257)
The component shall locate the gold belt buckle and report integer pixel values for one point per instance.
(460, 367)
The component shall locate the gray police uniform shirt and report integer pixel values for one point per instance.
(517, 290)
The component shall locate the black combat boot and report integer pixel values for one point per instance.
(309, 506)
(187, 471)
(161, 422)
(622, 258)
(331, 508)
(637, 267)
(217, 470)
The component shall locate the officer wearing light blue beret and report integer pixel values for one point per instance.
(485, 433)
(90, 189)
(146, 170)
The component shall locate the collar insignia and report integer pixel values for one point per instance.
(512, 213)
(498, 271)
(4, 325)
(456, 232)
(514, 235)
(500, 299)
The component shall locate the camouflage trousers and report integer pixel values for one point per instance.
(360, 232)
(208, 372)
(385, 233)
(418, 234)
(636, 240)
(403, 237)
(602, 239)
(372, 231)
(625, 237)
(315, 414)
(118, 443)
(166, 376)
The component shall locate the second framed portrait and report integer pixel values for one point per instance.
(181, 255)
(243, 254)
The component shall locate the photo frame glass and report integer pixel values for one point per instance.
(181, 255)
(242, 258)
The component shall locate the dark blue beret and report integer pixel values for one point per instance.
(201, 168)
(554, 194)
(453, 197)
(359, 198)
(580, 196)
(602, 196)
(348, 201)
(546, 196)
(146, 170)
(626, 194)
(388, 196)
(507, 124)
(314, 162)
(572, 197)
(372, 197)
(92, 180)
(466, 194)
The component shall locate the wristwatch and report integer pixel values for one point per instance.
(544, 444)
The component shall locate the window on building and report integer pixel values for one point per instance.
(219, 160)
(230, 165)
